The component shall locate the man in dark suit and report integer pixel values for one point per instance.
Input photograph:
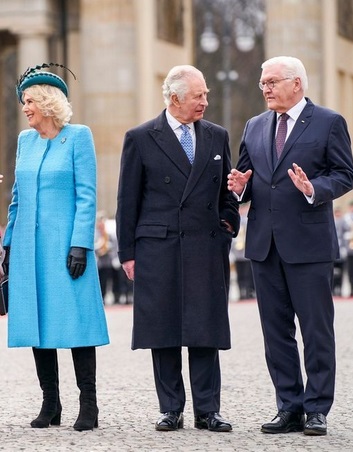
(291, 237)
(175, 223)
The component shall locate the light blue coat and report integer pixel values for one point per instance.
(53, 208)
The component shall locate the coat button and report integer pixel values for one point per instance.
(273, 186)
(181, 206)
(182, 234)
(167, 180)
(213, 233)
(210, 206)
(215, 179)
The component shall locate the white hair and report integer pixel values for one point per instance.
(176, 81)
(292, 68)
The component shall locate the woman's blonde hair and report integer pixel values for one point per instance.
(51, 101)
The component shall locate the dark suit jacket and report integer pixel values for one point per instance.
(320, 144)
(169, 220)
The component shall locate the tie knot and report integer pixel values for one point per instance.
(185, 128)
(284, 117)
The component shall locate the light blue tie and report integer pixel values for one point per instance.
(186, 142)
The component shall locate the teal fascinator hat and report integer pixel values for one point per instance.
(35, 76)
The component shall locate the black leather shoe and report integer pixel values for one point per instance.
(285, 422)
(315, 424)
(171, 420)
(213, 422)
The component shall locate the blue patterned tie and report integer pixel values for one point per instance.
(186, 142)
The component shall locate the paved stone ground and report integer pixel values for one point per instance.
(129, 407)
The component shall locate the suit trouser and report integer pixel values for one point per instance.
(205, 379)
(283, 291)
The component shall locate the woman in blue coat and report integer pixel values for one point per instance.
(49, 241)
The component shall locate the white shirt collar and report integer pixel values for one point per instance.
(295, 111)
(175, 124)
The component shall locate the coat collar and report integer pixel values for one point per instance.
(170, 145)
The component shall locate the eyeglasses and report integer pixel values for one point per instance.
(272, 83)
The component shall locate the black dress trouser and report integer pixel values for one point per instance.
(204, 373)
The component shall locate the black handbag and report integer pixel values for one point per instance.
(4, 295)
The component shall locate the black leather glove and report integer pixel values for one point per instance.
(77, 261)
(6, 261)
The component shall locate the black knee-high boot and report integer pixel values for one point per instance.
(48, 375)
(84, 359)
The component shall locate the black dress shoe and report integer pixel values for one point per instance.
(171, 420)
(285, 422)
(213, 422)
(315, 424)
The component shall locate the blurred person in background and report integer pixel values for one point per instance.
(103, 250)
(54, 292)
(349, 241)
(243, 270)
(342, 229)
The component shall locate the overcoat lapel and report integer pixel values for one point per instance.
(268, 134)
(204, 138)
(169, 144)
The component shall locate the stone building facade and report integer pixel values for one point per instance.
(320, 33)
(121, 50)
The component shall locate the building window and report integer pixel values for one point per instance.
(345, 18)
(170, 25)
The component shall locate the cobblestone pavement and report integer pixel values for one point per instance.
(129, 407)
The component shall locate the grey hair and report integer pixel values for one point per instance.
(176, 82)
(51, 101)
(292, 68)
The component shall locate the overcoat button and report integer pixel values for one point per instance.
(182, 234)
(167, 180)
(215, 179)
(273, 186)
(213, 233)
(209, 206)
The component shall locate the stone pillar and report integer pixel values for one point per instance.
(108, 85)
(32, 50)
(294, 28)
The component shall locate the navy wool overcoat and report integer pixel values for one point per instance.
(169, 221)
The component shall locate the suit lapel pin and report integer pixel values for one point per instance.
(63, 140)
(218, 157)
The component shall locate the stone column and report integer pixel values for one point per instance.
(108, 85)
(32, 50)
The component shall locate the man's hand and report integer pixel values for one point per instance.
(300, 180)
(129, 269)
(228, 226)
(237, 180)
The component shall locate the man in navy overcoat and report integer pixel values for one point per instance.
(175, 223)
(291, 238)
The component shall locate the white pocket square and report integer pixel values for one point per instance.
(218, 157)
